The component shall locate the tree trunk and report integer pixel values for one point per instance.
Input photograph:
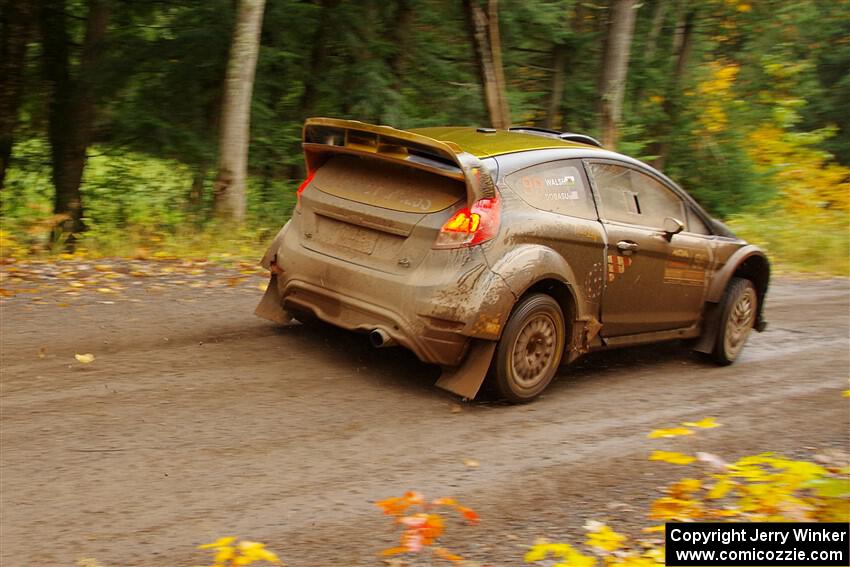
(682, 41)
(72, 106)
(318, 54)
(229, 190)
(654, 29)
(15, 30)
(484, 28)
(400, 34)
(498, 67)
(196, 191)
(556, 92)
(615, 68)
(573, 62)
(659, 11)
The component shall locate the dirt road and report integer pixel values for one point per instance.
(197, 420)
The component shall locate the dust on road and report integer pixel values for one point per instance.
(196, 420)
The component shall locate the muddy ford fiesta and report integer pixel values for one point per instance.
(505, 253)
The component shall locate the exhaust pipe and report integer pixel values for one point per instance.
(380, 338)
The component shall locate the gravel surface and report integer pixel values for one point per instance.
(197, 420)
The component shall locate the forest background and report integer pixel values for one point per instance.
(124, 125)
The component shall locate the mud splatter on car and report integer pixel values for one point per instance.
(505, 252)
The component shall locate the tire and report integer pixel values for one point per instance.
(737, 316)
(529, 353)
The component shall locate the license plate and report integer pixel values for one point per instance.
(348, 236)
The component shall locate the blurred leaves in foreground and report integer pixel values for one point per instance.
(757, 488)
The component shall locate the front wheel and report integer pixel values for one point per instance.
(737, 316)
(530, 349)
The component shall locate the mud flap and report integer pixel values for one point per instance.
(711, 325)
(270, 307)
(465, 380)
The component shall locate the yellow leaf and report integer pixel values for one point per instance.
(220, 542)
(605, 538)
(443, 553)
(720, 489)
(653, 529)
(671, 432)
(672, 457)
(471, 463)
(705, 423)
(84, 358)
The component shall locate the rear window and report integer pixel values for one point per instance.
(556, 186)
(387, 184)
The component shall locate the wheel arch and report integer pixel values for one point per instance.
(751, 263)
(559, 290)
(532, 268)
(756, 268)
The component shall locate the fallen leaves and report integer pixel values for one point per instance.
(672, 457)
(422, 524)
(84, 358)
(228, 552)
(75, 280)
(604, 538)
(705, 423)
(678, 431)
(671, 432)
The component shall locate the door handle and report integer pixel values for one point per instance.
(627, 247)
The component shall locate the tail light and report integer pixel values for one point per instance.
(301, 190)
(470, 225)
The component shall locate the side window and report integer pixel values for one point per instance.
(628, 195)
(696, 224)
(617, 200)
(556, 186)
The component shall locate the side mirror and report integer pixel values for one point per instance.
(672, 226)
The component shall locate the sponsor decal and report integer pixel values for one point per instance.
(686, 267)
(584, 231)
(593, 282)
(617, 265)
(566, 182)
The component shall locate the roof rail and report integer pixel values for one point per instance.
(566, 136)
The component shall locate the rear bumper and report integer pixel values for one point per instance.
(434, 310)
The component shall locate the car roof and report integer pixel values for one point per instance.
(487, 142)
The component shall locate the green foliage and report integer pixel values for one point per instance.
(816, 243)
(770, 68)
(135, 205)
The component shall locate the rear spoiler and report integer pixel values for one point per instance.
(324, 137)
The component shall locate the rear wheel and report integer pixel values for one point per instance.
(530, 349)
(736, 320)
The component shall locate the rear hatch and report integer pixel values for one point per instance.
(376, 213)
(378, 196)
